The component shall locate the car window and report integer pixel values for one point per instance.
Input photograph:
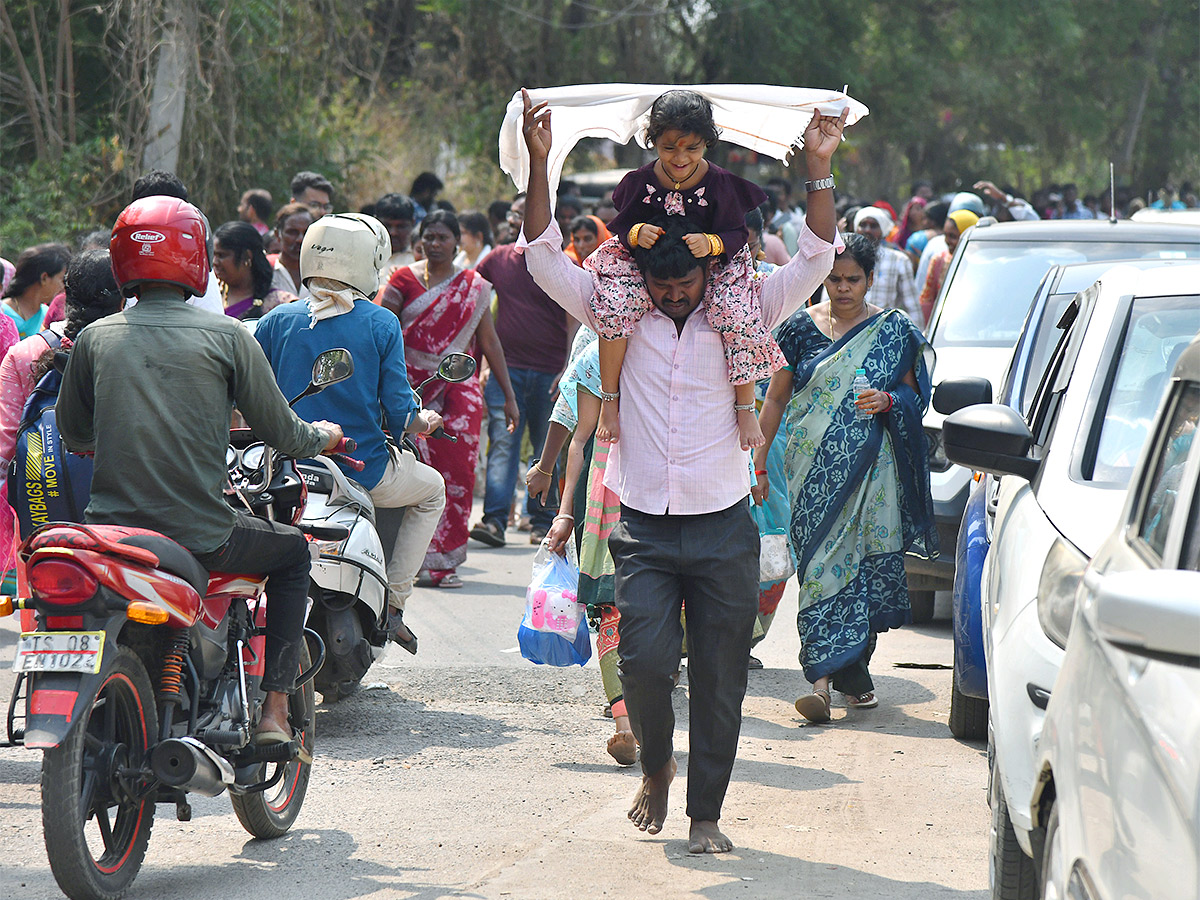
(1157, 332)
(1162, 488)
(1045, 339)
(1189, 556)
(994, 284)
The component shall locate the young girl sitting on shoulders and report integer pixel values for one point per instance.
(681, 182)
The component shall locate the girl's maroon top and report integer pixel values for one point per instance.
(717, 204)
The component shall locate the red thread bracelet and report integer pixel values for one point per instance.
(760, 471)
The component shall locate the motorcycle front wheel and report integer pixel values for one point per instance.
(270, 813)
(95, 821)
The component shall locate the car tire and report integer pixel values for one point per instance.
(968, 715)
(921, 603)
(1013, 874)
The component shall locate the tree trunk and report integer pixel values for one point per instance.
(1133, 124)
(164, 125)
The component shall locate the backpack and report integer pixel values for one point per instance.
(45, 482)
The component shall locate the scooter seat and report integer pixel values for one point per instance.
(173, 558)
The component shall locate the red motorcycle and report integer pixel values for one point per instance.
(142, 685)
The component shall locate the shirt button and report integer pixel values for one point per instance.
(676, 397)
(671, 461)
(673, 430)
(676, 365)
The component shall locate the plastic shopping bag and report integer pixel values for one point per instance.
(554, 629)
(776, 561)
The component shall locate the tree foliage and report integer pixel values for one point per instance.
(373, 91)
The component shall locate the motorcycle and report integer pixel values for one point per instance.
(349, 578)
(142, 684)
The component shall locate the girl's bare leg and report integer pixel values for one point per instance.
(612, 357)
(747, 419)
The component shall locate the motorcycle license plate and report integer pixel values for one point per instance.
(59, 651)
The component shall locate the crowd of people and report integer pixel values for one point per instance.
(648, 426)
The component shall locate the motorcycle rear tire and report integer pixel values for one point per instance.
(80, 786)
(269, 814)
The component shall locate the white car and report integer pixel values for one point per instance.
(977, 319)
(1064, 474)
(1118, 793)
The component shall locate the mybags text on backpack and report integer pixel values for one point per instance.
(45, 482)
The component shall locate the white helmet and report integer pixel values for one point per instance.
(347, 247)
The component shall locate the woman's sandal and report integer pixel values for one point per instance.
(426, 579)
(814, 706)
(862, 701)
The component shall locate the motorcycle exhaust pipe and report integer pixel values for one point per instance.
(188, 765)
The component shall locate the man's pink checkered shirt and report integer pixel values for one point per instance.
(679, 451)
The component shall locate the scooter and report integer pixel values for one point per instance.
(349, 578)
(142, 684)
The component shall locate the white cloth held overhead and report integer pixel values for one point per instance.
(765, 118)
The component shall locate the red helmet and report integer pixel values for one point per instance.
(161, 239)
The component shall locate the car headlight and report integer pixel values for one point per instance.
(937, 453)
(1061, 575)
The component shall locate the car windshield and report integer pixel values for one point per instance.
(1159, 329)
(995, 282)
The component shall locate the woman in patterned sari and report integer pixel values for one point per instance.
(444, 309)
(859, 487)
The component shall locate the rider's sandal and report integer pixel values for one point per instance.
(814, 706)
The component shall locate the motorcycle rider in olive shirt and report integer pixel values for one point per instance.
(151, 392)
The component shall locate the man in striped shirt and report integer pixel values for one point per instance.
(683, 479)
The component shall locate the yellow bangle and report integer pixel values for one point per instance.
(543, 471)
(716, 245)
(633, 233)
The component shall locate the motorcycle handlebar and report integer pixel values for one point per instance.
(346, 445)
(440, 432)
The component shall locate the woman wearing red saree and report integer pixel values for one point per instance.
(443, 310)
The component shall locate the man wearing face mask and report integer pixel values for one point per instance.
(339, 264)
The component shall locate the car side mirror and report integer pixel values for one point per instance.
(990, 438)
(1152, 614)
(954, 394)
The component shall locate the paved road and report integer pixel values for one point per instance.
(468, 772)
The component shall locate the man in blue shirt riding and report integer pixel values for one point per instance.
(340, 261)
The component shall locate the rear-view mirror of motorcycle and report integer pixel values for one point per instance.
(456, 367)
(330, 367)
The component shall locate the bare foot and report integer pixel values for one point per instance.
(609, 427)
(623, 748)
(748, 429)
(649, 809)
(705, 837)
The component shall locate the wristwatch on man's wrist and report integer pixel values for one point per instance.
(820, 184)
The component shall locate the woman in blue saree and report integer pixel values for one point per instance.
(859, 487)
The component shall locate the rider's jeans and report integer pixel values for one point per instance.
(281, 553)
(419, 488)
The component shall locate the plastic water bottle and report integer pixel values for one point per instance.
(860, 384)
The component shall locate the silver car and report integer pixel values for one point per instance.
(1064, 472)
